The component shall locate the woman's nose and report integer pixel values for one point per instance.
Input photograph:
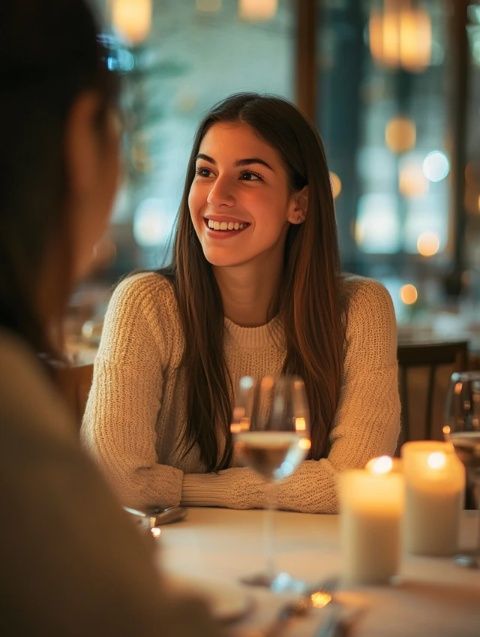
(221, 193)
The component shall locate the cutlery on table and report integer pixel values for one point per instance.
(339, 621)
(316, 596)
(152, 518)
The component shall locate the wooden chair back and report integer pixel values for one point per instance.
(75, 382)
(421, 400)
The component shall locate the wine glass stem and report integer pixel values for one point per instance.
(268, 530)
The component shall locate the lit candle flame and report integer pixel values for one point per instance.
(380, 466)
(436, 460)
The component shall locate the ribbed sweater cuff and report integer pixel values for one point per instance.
(206, 489)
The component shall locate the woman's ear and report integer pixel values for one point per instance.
(81, 145)
(299, 206)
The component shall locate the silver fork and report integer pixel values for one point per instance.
(316, 596)
(339, 621)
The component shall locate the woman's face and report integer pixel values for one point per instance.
(240, 201)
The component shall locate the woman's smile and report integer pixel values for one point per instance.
(225, 226)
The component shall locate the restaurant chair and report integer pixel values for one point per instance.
(75, 382)
(424, 374)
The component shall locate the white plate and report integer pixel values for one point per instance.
(227, 600)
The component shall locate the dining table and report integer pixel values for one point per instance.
(212, 549)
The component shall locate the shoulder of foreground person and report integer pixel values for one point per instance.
(72, 561)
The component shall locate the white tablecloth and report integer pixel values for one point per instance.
(432, 598)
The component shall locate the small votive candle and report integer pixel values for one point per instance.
(371, 507)
(435, 483)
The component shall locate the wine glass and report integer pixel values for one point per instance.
(271, 433)
(462, 429)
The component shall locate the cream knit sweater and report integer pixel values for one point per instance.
(135, 417)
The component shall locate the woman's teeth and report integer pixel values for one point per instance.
(224, 225)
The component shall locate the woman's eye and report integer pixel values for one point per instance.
(248, 175)
(201, 171)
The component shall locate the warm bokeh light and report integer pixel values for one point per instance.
(436, 460)
(428, 244)
(304, 443)
(300, 424)
(320, 599)
(408, 294)
(401, 36)
(208, 6)
(336, 184)
(411, 180)
(446, 430)
(416, 39)
(400, 134)
(156, 532)
(257, 10)
(132, 19)
(436, 166)
(380, 465)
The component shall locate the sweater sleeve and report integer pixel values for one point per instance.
(367, 422)
(121, 412)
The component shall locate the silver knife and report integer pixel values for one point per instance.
(153, 517)
(339, 621)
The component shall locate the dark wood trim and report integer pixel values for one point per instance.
(459, 69)
(305, 79)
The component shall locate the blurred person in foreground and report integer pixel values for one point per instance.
(71, 561)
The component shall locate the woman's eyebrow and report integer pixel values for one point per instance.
(253, 160)
(205, 158)
(241, 162)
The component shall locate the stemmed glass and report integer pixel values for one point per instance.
(271, 432)
(462, 429)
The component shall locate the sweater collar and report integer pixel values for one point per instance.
(269, 335)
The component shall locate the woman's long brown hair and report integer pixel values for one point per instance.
(50, 54)
(310, 298)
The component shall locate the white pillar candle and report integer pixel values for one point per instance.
(371, 506)
(435, 483)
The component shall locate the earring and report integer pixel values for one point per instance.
(299, 217)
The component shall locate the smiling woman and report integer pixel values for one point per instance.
(255, 289)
